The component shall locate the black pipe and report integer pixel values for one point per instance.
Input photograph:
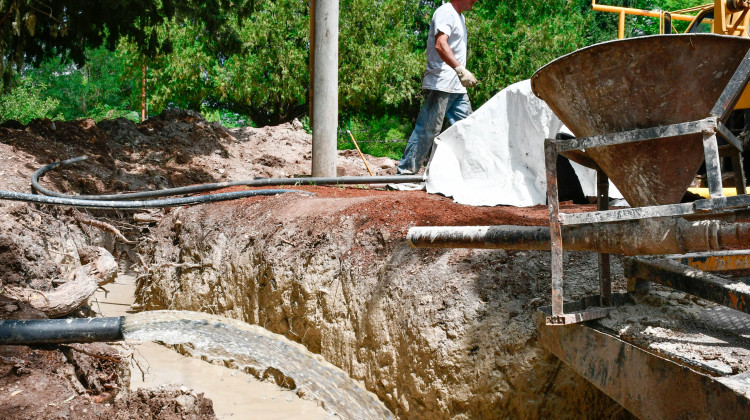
(264, 182)
(44, 169)
(57, 331)
(131, 205)
(87, 330)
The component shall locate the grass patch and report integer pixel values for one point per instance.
(384, 136)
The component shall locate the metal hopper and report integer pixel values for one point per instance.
(641, 83)
(646, 112)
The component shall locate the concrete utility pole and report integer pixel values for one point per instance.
(325, 84)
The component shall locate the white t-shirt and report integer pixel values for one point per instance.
(438, 75)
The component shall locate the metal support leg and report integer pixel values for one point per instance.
(605, 276)
(733, 90)
(550, 156)
(739, 173)
(713, 165)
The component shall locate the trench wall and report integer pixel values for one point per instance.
(434, 333)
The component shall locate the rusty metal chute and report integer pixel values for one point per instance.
(639, 83)
(647, 127)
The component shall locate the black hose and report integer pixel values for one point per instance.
(107, 202)
(131, 205)
(44, 169)
(56, 331)
(87, 330)
(265, 182)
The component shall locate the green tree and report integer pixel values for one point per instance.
(24, 103)
(510, 40)
(32, 31)
(269, 79)
(98, 89)
(181, 78)
(380, 69)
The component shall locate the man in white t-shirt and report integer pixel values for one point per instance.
(445, 82)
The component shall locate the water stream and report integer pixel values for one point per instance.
(253, 349)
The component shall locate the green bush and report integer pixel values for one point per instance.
(225, 117)
(24, 103)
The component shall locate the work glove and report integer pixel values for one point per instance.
(466, 77)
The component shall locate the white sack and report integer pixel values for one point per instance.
(496, 155)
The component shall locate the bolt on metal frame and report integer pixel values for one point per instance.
(709, 127)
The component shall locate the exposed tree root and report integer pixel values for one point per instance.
(104, 226)
(99, 269)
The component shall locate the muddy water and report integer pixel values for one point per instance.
(252, 348)
(235, 394)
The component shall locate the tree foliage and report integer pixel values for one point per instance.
(252, 57)
(34, 30)
(380, 68)
(25, 103)
(509, 40)
(96, 90)
(269, 79)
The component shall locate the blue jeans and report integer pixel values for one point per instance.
(437, 105)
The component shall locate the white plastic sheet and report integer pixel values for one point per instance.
(496, 155)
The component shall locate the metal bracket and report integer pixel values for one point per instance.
(690, 273)
(580, 316)
(718, 204)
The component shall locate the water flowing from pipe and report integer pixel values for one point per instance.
(257, 351)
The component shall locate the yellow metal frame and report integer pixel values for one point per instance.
(622, 11)
(724, 22)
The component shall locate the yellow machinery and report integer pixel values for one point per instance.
(723, 17)
(646, 113)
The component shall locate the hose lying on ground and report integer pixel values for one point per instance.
(263, 182)
(145, 204)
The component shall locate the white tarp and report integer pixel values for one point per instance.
(496, 155)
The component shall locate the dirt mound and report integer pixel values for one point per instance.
(176, 148)
(165, 403)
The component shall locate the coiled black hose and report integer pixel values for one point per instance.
(392, 179)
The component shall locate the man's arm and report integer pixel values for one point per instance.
(446, 53)
(444, 50)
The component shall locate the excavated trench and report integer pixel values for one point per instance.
(433, 333)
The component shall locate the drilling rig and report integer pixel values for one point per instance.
(648, 113)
